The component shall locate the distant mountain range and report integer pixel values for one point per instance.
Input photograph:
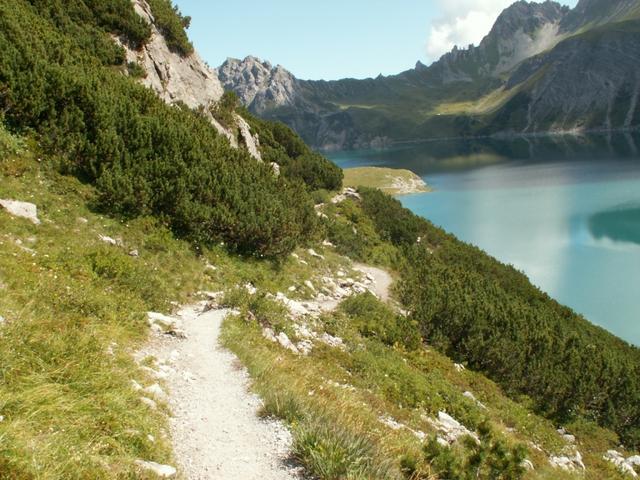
(542, 68)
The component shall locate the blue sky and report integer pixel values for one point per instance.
(338, 38)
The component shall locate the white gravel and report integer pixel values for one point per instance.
(215, 429)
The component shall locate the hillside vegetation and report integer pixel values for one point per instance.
(57, 78)
(74, 308)
(487, 314)
(142, 205)
(542, 68)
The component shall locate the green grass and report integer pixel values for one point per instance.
(69, 300)
(347, 106)
(486, 104)
(334, 400)
(393, 181)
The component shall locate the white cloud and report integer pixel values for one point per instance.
(463, 22)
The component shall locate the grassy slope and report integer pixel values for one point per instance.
(67, 406)
(413, 105)
(338, 398)
(334, 401)
(69, 410)
(68, 298)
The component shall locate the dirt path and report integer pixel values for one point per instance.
(382, 280)
(215, 429)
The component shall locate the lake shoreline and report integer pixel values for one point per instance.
(563, 214)
(394, 181)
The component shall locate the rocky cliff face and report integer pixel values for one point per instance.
(591, 13)
(185, 79)
(306, 106)
(590, 81)
(173, 77)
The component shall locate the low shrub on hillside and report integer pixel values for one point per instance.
(487, 314)
(372, 318)
(486, 459)
(281, 145)
(145, 157)
(172, 24)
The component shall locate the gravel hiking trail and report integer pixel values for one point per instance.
(215, 428)
(382, 280)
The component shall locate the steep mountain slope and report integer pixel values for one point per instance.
(521, 31)
(589, 81)
(258, 84)
(479, 90)
(176, 77)
(598, 12)
(75, 292)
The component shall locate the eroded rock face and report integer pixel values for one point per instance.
(275, 93)
(252, 142)
(187, 79)
(521, 31)
(173, 77)
(561, 99)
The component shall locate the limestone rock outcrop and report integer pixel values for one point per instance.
(186, 79)
(21, 209)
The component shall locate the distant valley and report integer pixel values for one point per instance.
(543, 68)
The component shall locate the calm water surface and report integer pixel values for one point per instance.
(566, 211)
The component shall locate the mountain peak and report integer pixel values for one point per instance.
(258, 83)
(522, 30)
(596, 12)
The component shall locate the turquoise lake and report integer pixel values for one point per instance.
(564, 210)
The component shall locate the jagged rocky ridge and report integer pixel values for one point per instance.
(275, 93)
(543, 67)
(521, 31)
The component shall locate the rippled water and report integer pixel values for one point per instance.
(566, 211)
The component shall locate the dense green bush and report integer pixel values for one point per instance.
(224, 110)
(394, 223)
(145, 157)
(486, 459)
(355, 236)
(9, 144)
(375, 319)
(135, 70)
(487, 314)
(281, 145)
(78, 17)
